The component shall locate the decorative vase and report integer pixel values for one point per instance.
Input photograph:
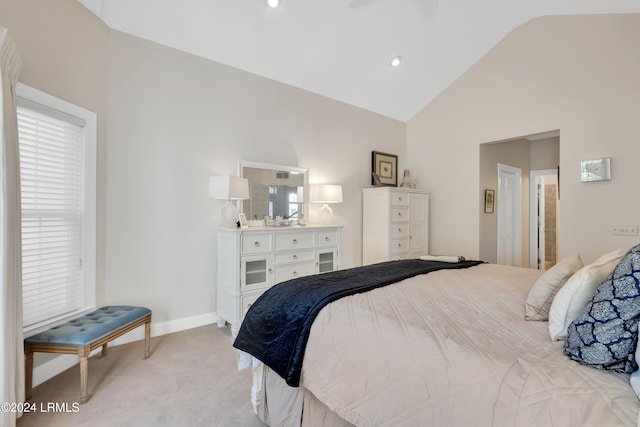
(406, 179)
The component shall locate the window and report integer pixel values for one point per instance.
(57, 170)
(293, 205)
(273, 199)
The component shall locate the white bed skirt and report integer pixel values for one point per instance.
(287, 406)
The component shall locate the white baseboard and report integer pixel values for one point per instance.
(63, 362)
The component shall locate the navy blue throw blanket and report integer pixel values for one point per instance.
(277, 326)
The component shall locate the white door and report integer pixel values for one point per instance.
(509, 215)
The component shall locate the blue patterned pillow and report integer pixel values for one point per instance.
(605, 335)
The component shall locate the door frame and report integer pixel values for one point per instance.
(536, 259)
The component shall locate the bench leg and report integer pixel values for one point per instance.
(83, 352)
(147, 340)
(104, 350)
(28, 371)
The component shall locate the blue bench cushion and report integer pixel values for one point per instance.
(90, 327)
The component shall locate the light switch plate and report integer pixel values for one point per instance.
(624, 229)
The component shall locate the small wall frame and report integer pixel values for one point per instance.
(595, 170)
(489, 199)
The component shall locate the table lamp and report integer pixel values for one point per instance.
(228, 188)
(326, 194)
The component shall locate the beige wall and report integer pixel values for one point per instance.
(578, 74)
(174, 120)
(545, 154)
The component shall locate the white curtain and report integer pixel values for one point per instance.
(11, 347)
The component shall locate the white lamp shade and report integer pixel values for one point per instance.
(228, 187)
(326, 193)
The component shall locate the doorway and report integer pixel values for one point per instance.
(509, 215)
(528, 153)
(545, 207)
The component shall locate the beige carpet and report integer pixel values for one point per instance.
(190, 380)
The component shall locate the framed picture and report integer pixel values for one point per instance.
(595, 170)
(243, 220)
(489, 199)
(385, 166)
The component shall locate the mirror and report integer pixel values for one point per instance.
(276, 191)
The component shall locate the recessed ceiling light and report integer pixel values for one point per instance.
(395, 61)
(273, 3)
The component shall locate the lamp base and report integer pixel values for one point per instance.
(229, 215)
(326, 214)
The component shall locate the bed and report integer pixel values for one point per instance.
(450, 347)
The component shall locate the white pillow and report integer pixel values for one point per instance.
(635, 376)
(542, 293)
(572, 298)
(608, 257)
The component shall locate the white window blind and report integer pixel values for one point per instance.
(52, 172)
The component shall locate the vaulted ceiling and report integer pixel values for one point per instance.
(342, 48)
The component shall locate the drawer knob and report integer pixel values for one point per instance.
(399, 213)
(399, 245)
(295, 256)
(295, 274)
(295, 241)
(270, 270)
(256, 244)
(400, 198)
(399, 230)
(326, 239)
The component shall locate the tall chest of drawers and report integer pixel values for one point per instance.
(395, 224)
(252, 260)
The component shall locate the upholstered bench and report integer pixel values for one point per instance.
(82, 335)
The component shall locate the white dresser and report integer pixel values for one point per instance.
(252, 260)
(395, 224)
